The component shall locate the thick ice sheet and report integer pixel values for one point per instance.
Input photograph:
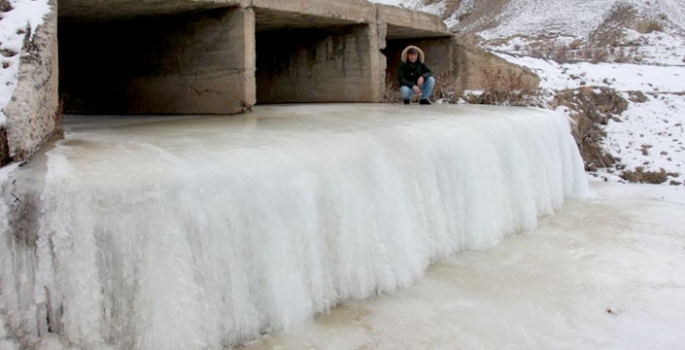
(600, 274)
(200, 233)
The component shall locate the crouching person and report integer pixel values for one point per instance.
(415, 77)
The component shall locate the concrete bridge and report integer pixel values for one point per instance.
(220, 57)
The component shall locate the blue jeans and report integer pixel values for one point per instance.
(426, 90)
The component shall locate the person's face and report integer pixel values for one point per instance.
(413, 56)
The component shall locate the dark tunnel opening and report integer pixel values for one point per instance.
(311, 59)
(330, 64)
(179, 63)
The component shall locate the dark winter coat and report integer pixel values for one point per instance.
(408, 73)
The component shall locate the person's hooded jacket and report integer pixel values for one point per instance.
(409, 73)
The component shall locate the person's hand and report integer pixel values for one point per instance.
(417, 89)
(420, 82)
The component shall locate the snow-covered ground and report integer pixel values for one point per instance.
(622, 77)
(21, 20)
(604, 273)
(651, 135)
(648, 134)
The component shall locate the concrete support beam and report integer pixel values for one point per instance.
(355, 11)
(106, 10)
(191, 63)
(405, 24)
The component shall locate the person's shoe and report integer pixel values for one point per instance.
(406, 102)
(424, 102)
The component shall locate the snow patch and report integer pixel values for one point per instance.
(651, 135)
(648, 134)
(23, 19)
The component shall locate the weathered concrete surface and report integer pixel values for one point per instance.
(479, 70)
(335, 65)
(357, 11)
(33, 110)
(352, 11)
(190, 63)
(102, 10)
(403, 24)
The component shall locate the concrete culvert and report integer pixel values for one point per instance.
(184, 63)
(328, 64)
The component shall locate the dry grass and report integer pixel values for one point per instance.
(590, 111)
(4, 148)
(509, 89)
(640, 175)
(5, 6)
(649, 26)
(576, 51)
(445, 89)
(637, 97)
(392, 92)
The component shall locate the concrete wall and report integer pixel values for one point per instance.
(191, 63)
(318, 65)
(32, 114)
(479, 70)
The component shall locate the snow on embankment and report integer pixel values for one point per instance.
(650, 134)
(197, 234)
(17, 19)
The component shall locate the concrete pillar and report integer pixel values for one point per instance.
(189, 63)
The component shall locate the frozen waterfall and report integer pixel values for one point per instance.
(201, 233)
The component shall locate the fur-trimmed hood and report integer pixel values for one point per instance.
(405, 53)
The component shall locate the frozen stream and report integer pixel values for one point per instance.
(605, 273)
(201, 233)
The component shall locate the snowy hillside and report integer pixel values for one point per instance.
(650, 133)
(633, 48)
(492, 19)
(623, 30)
(576, 18)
